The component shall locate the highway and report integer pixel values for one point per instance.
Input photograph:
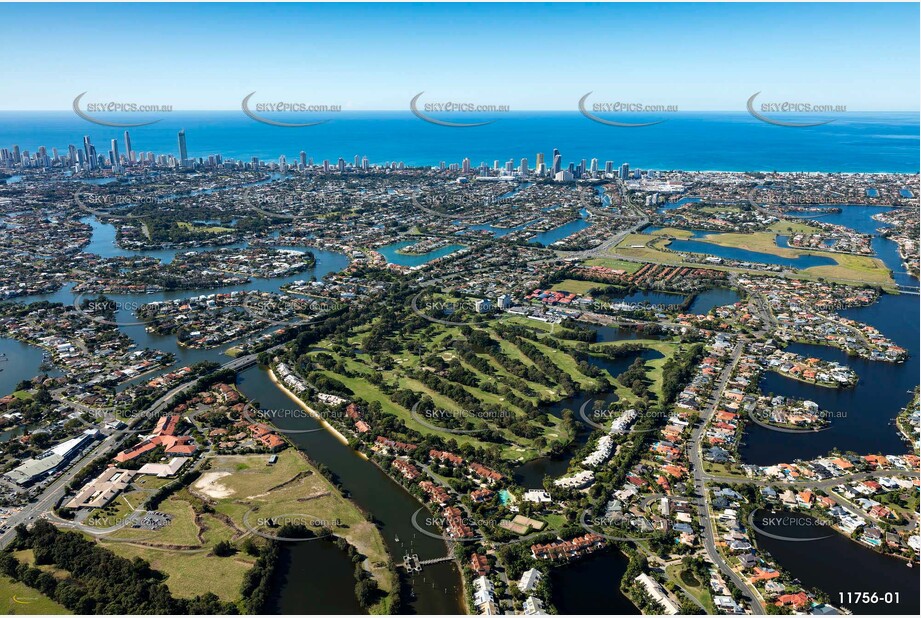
(57, 489)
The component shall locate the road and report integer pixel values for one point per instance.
(56, 490)
(704, 508)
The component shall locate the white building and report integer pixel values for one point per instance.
(534, 607)
(529, 580)
(658, 594)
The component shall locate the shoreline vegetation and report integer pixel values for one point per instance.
(341, 438)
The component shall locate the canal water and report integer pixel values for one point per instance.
(303, 575)
(392, 255)
(863, 415)
(313, 577)
(591, 586)
(564, 231)
(881, 392)
(838, 566)
(18, 361)
(437, 588)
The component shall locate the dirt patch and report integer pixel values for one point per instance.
(209, 484)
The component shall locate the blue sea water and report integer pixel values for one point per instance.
(731, 141)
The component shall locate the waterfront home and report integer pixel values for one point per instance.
(395, 445)
(456, 524)
(601, 453)
(565, 550)
(409, 471)
(490, 476)
(576, 481)
(484, 597)
(479, 564)
(529, 580)
(437, 493)
(533, 607)
(797, 601)
(658, 594)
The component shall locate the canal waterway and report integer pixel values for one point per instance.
(392, 253)
(838, 566)
(437, 590)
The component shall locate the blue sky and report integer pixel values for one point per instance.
(528, 56)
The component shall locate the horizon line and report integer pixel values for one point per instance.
(407, 109)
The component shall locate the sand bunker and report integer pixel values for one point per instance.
(208, 484)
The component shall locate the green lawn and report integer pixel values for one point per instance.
(786, 226)
(242, 491)
(575, 287)
(701, 591)
(630, 267)
(17, 598)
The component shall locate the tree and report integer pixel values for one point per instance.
(224, 549)
(366, 592)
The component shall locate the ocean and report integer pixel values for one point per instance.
(727, 141)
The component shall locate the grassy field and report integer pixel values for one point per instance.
(786, 226)
(241, 492)
(646, 247)
(701, 592)
(853, 267)
(436, 340)
(575, 287)
(849, 268)
(675, 232)
(630, 267)
(17, 598)
(186, 571)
